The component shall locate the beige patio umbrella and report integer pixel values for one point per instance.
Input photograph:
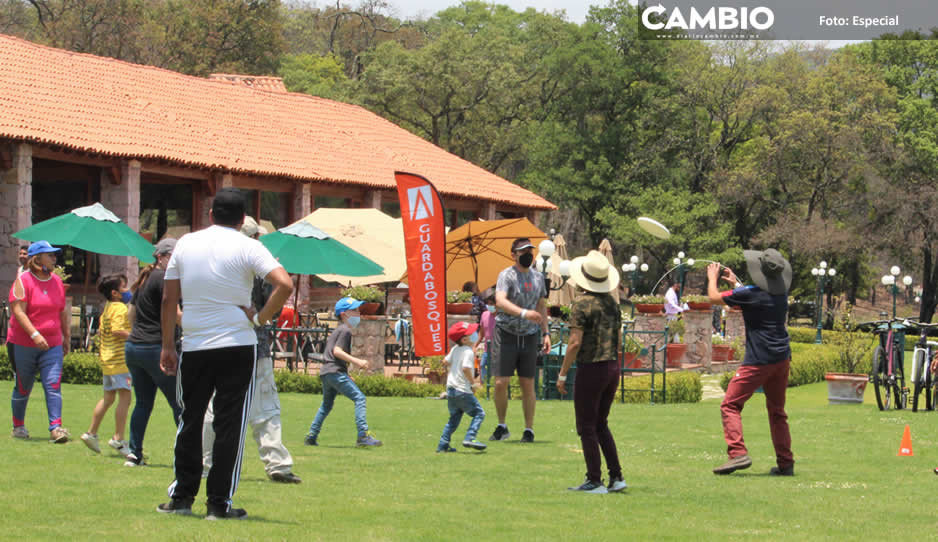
(605, 247)
(563, 296)
(371, 233)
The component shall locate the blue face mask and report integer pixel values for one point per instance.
(491, 308)
(354, 320)
(126, 296)
(474, 337)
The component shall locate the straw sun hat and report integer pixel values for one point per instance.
(593, 273)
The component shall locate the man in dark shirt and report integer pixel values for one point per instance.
(767, 359)
(334, 375)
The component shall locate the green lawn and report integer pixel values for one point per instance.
(849, 484)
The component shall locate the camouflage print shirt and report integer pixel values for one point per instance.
(599, 317)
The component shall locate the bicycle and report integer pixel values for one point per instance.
(922, 378)
(888, 375)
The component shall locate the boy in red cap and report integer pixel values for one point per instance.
(460, 386)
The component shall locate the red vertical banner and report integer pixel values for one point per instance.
(425, 241)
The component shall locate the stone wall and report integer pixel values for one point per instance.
(735, 327)
(698, 336)
(650, 322)
(16, 196)
(121, 196)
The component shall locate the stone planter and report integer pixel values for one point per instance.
(436, 378)
(843, 388)
(649, 308)
(458, 308)
(722, 352)
(676, 353)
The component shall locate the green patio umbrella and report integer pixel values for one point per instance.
(306, 250)
(92, 228)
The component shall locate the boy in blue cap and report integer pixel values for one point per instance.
(335, 378)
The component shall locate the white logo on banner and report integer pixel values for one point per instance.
(421, 202)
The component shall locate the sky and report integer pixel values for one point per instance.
(576, 10)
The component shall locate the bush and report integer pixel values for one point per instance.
(682, 387)
(371, 385)
(810, 363)
(77, 368)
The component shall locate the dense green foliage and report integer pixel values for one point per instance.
(731, 144)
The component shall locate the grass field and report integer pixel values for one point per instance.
(849, 484)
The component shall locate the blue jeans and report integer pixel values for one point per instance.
(333, 384)
(143, 361)
(28, 361)
(460, 402)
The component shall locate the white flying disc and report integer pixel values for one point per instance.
(654, 227)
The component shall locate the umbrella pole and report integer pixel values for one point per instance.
(296, 321)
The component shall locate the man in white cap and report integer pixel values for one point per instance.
(264, 416)
(768, 355)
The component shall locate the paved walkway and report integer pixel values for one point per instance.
(711, 386)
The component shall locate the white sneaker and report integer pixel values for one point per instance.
(122, 446)
(91, 441)
(20, 432)
(617, 484)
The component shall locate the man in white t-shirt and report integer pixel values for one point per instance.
(672, 305)
(213, 271)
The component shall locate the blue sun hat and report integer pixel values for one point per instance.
(347, 304)
(40, 247)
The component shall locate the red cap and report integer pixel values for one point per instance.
(461, 329)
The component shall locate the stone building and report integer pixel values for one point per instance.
(154, 145)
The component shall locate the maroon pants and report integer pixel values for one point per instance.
(593, 394)
(774, 381)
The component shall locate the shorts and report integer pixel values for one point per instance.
(117, 382)
(516, 353)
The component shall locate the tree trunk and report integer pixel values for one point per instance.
(853, 282)
(929, 283)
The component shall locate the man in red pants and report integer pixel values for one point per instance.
(768, 355)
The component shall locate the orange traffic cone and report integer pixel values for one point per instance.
(906, 447)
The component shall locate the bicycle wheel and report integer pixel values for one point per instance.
(899, 390)
(929, 384)
(880, 385)
(918, 379)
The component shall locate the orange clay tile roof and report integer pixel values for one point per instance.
(260, 82)
(107, 106)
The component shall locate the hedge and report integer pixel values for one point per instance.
(806, 335)
(83, 368)
(683, 387)
(811, 362)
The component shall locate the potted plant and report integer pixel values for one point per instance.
(698, 302)
(675, 351)
(60, 271)
(848, 386)
(721, 351)
(632, 350)
(458, 302)
(648, 304)
(372, 297)
(434, 368)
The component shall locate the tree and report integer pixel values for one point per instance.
(905, 203)
(322, 76)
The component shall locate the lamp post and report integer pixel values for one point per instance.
(545, 249)
(890, 280)
(632, 268)
(823, 274)
(682, 266)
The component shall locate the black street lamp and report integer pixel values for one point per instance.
(545, 250)
(823, 274)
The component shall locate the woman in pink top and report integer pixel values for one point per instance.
(40, 335)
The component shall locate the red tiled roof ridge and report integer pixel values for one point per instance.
(117, 108)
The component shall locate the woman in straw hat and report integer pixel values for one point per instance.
(595, 322)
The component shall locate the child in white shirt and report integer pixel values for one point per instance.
(460, 387)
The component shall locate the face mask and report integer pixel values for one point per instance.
(474, 337)
(126, 296)
(354, 320)
(491, 308)
(526, 259)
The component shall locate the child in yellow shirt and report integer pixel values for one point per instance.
(113, 332)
